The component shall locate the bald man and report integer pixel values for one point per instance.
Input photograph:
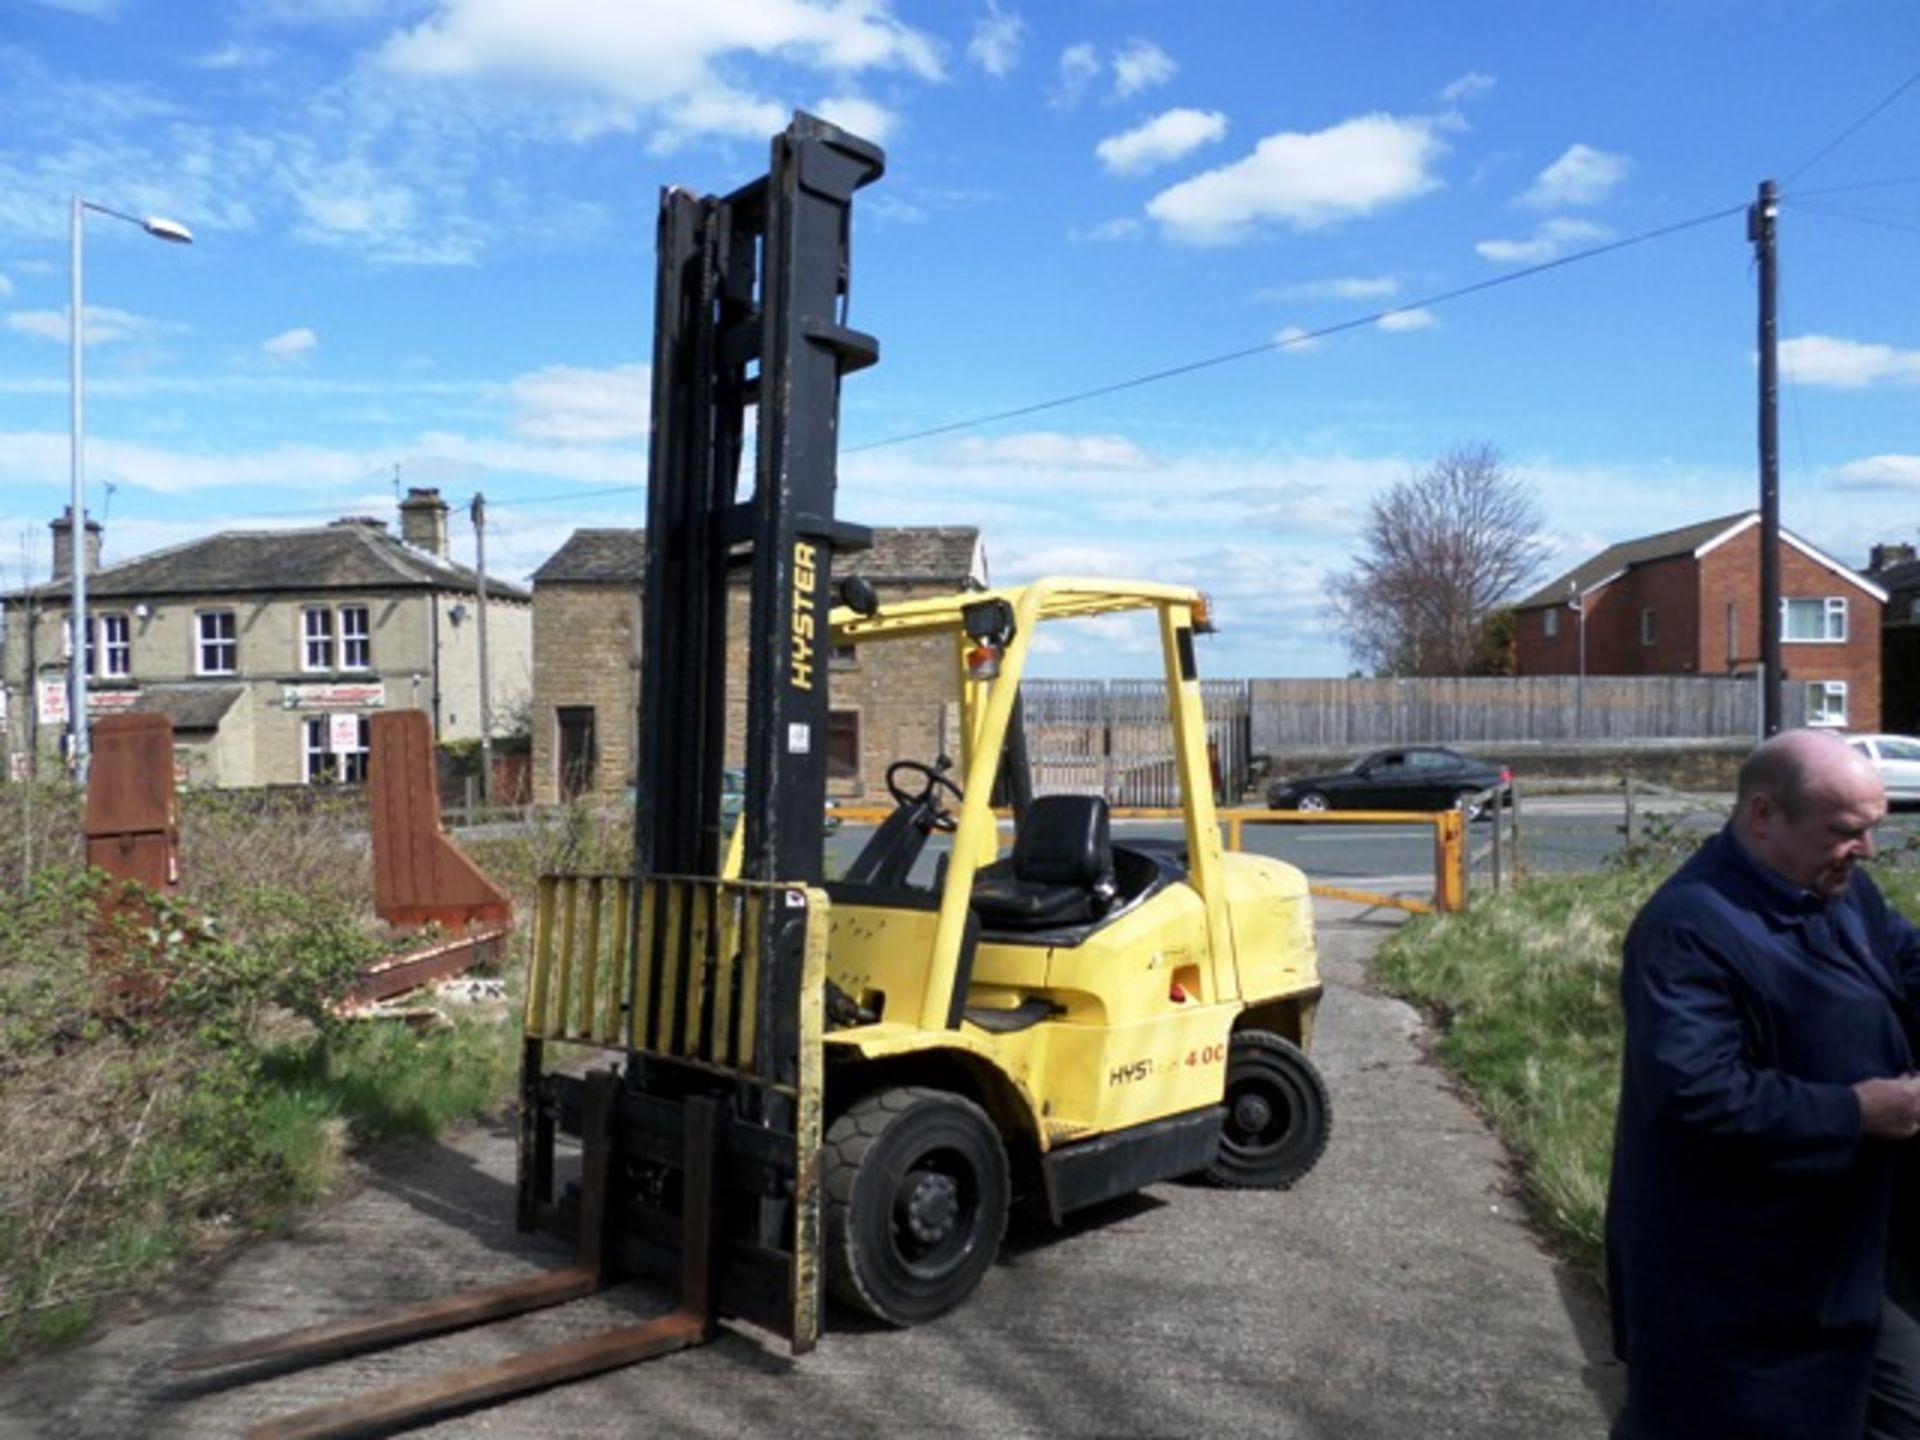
(1766, 1088)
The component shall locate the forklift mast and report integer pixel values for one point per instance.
(750, 310)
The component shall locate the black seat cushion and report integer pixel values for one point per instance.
(1061, 872)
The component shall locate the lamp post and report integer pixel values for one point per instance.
(1577, 603)
(77, 631)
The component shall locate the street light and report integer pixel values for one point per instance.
(1577, 602)
(160, 229)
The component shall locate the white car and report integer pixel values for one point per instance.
(1897, 758)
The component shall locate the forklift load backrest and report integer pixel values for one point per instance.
(1061, 871)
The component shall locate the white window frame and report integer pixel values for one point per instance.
(356, 637)
(1649, 626)
(316, 638)
(320, 765)
(206, 644)
(1832, 619)
(1827, 703)
(116, 646)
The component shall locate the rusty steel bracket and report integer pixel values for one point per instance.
(420, 877)
(692, 1321)
(132, 830)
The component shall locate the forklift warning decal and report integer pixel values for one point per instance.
(803, 646)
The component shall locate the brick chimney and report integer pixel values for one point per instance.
(423, 521)
(63, 545)
(1885, 557)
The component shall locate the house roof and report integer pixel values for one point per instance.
(947, 555)
(1696, 539)
(190, 707)
(347, 555)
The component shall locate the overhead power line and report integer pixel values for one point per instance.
(1851, 130)
(1306, 337)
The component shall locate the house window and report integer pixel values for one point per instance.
(1822, 621)
(1552, 621)
(116, 642)
(843, 745)
(1647, 626)
(316, 639)
(1733, 632)
(218, 650)
(334, 749)
(1827, 702)
(356, 638)
(844, 657)
(577, 750)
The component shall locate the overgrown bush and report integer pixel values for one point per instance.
(179, 1074)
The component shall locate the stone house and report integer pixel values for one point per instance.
(1687, 602)
(899, 701)
(269, 649)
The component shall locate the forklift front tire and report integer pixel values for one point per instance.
(1278, 1117)
(917, 1194)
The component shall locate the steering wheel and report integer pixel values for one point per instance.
(927, 798)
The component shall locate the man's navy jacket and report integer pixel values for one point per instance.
(1747, 1221)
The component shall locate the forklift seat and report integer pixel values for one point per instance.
(1061, 871)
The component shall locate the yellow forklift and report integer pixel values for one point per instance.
(778, 1076)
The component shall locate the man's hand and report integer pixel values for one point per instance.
(1889, 1109)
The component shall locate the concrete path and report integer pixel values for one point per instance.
(1396, 1292)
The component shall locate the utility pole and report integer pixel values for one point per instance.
(1760, 231)
(486, 698)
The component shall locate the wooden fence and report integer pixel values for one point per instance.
(1290, 716)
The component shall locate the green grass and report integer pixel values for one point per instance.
(1524, 994)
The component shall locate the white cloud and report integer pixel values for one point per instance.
(1124, 227)
(94, 9)
(105, 325)
(1552, 240)
(996, 42)
(1041, 447)
(237, 57)
(290, 347)
(857, 114)
(1581, 176)
(1881, 472)
(1398, 321)
(1847, 364)
(1294, 340)
(620, 60)
(1305, 181)
(1079, 65)
(1346, 288)
(1140, 66)
(6, 287)
(1470, 86)
(575, 405)
(1165, 138)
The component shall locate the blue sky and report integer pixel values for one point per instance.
(423, 248)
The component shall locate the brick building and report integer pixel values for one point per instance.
(1687, 602)
(898, 702)
(1896, 569)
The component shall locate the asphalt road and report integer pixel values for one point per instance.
(1396, 1291)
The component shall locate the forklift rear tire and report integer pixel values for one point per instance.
(917, 1194)
(1278, 1116)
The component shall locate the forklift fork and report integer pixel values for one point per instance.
(692, 1321)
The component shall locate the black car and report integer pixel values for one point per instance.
(1409, 777)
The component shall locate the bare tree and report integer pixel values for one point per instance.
(1441, 552)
